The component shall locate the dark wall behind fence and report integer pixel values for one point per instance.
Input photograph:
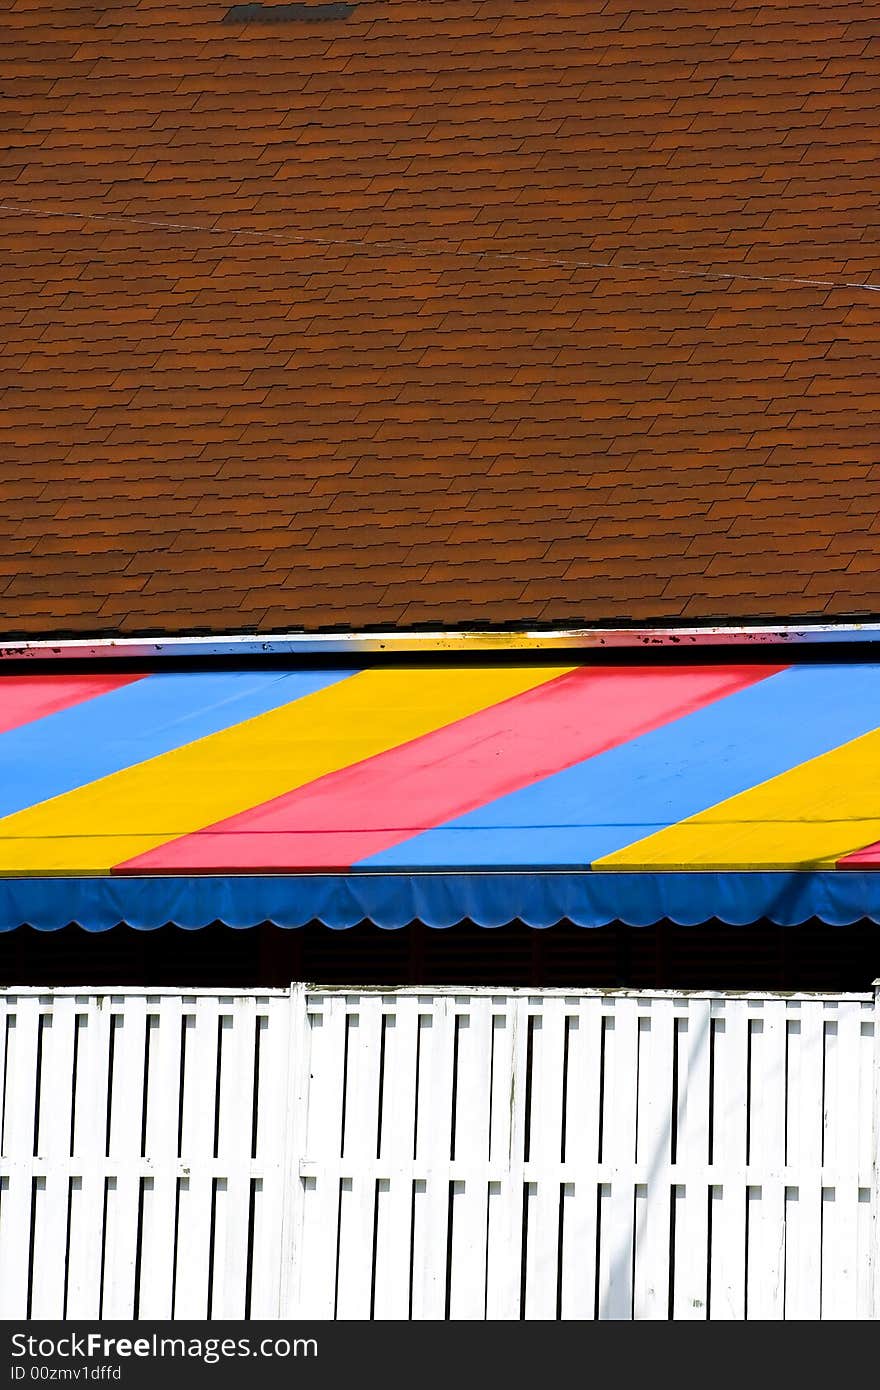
(762, 956)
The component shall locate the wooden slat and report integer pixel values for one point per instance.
(469, 1194)
(765, 1254)
(728, 1265)
(656, 1038)
(542, 1248)
(579, 1269)
(21, 1080)
(430, 1228)
(127, 1082)
(56, 1081)
(234, 1141)
(201, 1033)
(49, 1245)
(229, 1275)
(8, 1003)
(503, 1097)
(15, 1224)
(316, 1247)
(767, 1087)
(620, 1089)
(616, 1217)
(157, 1245)
(736, 1173)
(86, 1247)
(691, 1248)
(120, 1244)
(729, 1135)
(357, 1206)
(163, 1087)
(584, 1075)
(92, 1081)
(193, 1266)
(272, 1160)
(804, 1127)
(691, 1197)
(361, 1134)
(399, 1086)
(393, 1237)
(433, 1147)
(803, 1248)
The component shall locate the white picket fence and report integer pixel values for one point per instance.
(437, 1153)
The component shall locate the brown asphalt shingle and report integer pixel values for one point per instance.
(440, 313)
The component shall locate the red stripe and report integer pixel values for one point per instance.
(343, 818)
(26, 698)
(867, 858)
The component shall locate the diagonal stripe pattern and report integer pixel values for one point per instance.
(616, 768)
(24, 699)
(326, 721)
(367, 810)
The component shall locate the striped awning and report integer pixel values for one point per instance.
(439, 793)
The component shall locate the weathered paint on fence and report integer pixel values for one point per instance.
(437, 1153)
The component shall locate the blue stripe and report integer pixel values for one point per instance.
(123, 727)
(610, 801)
(440, 900)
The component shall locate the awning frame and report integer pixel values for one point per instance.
(441, 900)
(682, 637)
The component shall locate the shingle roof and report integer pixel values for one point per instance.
(439, 313)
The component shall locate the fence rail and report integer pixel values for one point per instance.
(437, 1153)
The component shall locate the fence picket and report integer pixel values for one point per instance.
(127, 1079)
(765, 1252)
(354, 1272)
(56, 1081)
(20, 1109)
(120, 1245)
(273, 1164)
(654, 1196)
(193, 1265)
(50, 1197)
(393, 1239)
(315, 1234)
(577, 1296)
(86, 1246)
(232, 1196)
(164, 1033)
(690, 1284)
(16, 1188)
(394, 1198)
(433, 1148)
(803, 1246)
(157, 1244)
(457, 1153)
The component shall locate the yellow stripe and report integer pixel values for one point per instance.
(90, 830)
(806, 818)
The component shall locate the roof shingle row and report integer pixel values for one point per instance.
(448, 313)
